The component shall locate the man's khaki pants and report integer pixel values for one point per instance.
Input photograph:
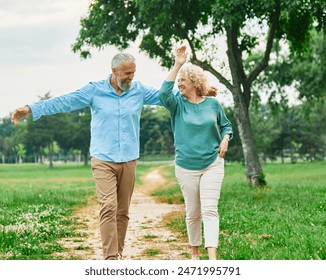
(114, 187)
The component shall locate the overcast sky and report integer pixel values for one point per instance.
(36, 56)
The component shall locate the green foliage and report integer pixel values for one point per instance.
(156, 137)
(105, 21)
(60, 133)
(303, 73)
(83, 132)
(120, 22)
(235, 152)
(107, 24)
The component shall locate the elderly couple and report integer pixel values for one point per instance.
(201, 134)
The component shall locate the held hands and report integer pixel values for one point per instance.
(20, 113)
(180, 55)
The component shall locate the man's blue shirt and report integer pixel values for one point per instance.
(115, 118)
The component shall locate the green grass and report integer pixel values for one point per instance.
(286, 221)
(36, 205)
(142, 169)
(152, 252)
(150, 236)
(171, 192)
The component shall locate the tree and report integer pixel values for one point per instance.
(235, 152)
(156, 136)
(314, 136)
(6, 129)
(82, 119)
(16, 141)
(200, 23)
(265, 129)
(304, 72)
(43, 134)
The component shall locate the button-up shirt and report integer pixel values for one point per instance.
(115, 118)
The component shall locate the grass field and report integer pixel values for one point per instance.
(36, 205)
(287, 220)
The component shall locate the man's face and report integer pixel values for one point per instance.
(125, 74)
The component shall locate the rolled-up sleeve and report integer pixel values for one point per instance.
(224, 123)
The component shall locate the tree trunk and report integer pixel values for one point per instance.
(254, 171)
(241, 96)
(51, 155)
(86, 157)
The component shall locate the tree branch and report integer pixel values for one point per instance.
(208, 67)
(271, 35)
(236, 52)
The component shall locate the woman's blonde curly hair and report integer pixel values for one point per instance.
(197, 75)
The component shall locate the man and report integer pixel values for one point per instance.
(116, 105)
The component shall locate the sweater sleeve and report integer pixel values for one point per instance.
(223, 122)
(166, 96)
(151, 96)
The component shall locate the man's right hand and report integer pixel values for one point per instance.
(20, 113)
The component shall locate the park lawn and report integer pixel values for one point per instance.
(36, 206)
(36, 203)
(286, 221)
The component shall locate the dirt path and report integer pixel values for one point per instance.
(147, 238)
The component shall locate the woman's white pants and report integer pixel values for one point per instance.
(201, 191)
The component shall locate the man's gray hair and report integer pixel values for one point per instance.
(121, 58)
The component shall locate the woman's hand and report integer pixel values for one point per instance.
(223, 148)
(179, 59)
(180, 55)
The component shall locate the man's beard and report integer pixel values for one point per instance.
(124, 85)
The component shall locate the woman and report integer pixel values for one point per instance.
(201, 133)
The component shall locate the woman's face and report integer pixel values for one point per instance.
(185, 85)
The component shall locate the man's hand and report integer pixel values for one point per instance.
(19, 113)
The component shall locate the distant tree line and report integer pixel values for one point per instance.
(282, 133)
